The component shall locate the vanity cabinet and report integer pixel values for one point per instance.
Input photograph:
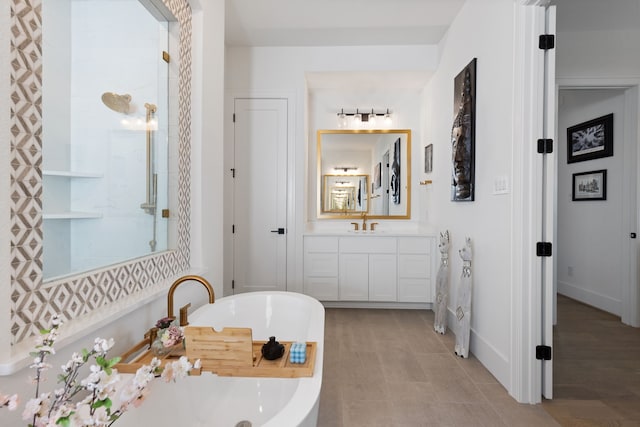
(368, 268)
(321, 267)
(414, 269)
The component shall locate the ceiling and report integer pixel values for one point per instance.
(337, 22)
(386, 22)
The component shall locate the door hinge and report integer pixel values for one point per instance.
(165, 56)
(233, 228)
(545, 146)
(233, 172)
(233, 284)
(543, 248)
(543, 352)
(547, 41)
(234, 117)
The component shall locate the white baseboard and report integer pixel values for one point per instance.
(594, 299)
(492, 359)
(373, 304)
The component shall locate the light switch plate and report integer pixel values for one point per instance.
(501, 185)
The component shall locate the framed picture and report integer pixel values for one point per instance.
(377, 176)
(463, 134)
(590, 185)
(428, 158)
(396, 168)
(590, 140)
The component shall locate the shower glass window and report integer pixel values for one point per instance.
(105, 134)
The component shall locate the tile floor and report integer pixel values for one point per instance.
(596, 368)
(388, 368)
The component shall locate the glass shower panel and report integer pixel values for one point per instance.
(105, 134)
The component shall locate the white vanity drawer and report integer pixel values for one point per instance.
(322, 288)
(414, 245)
(414, 266)
(320, 244)
(368, 244)
(414, 290)
(321, 265)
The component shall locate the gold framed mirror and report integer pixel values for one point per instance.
(364, 172)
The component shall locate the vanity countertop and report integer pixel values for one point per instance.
(381, 233)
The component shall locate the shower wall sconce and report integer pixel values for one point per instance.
(360, 118)
(345, 168)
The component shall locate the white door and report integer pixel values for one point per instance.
(548, 205)
(260, 195)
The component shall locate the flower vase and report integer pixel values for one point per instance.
(158, 348)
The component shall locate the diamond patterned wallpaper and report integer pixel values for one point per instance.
(33, 301)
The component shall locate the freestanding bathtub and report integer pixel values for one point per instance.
(209, 400)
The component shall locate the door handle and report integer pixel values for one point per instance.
(279, 231)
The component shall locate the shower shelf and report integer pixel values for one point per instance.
(72, 215)
(71, 174)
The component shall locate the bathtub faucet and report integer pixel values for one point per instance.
(183, 310)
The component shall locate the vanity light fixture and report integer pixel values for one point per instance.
(359, 119)
(346, 168)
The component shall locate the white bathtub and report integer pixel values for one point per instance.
(209, 400)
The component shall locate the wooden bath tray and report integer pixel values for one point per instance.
(140, 354)
(228, 353)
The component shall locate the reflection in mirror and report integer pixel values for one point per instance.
(105, 133)
(345, 193)
(375, 164)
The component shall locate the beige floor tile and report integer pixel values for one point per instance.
(476, 370)
(368, 382)
(582, 412)
(367, 413)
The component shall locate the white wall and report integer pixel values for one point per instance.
(487, 220)
(405, 105)
(207, 144)
(589, 261)
(597, 54)
(280, 72)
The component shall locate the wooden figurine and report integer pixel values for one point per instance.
(463, 308)
(442, 285)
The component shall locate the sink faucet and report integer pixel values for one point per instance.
(183, 310)
(364, 221)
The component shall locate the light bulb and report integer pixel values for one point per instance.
(372, 119)
(387, 118)
(342, 119)
(357, 118)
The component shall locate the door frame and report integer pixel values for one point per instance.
(527, 216)
(293, 241)
(630, 314)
